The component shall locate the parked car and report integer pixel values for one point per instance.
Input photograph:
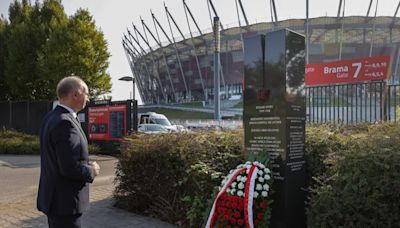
(160, 119)
(152, 128)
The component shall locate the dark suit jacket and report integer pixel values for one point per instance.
(64, 172)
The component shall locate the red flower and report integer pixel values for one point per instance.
(227, 226)
(240, 222)
(228, 204)
(233, 221)
(256, 223)
(237, 214)
(226, 217)
(234, 205)
(229, 212)
(263, 205)
(260, 216)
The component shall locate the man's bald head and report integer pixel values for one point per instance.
(69, 85)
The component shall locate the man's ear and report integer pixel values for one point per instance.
(75, 94)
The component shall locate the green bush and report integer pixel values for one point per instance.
(94, 148)
(174, 176)
(325, 145)
(353, 173)
(360, 187)
(13, 142)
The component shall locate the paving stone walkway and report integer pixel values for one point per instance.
(20, 211)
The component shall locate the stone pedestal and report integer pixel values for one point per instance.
(274, 117)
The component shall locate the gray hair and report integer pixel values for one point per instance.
(69, 85)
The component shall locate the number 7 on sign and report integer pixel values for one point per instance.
(358, 65)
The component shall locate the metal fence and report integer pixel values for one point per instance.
(24, 116)
(353, 103)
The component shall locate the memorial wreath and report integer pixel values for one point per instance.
(243, 199)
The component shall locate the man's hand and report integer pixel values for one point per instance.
(96, 167)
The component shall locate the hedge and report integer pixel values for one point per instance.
(173, 176)
(353, 173)
(14, 142)
(360, 186)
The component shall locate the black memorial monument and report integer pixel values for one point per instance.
(274, 117)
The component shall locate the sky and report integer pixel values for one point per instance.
(114, 17)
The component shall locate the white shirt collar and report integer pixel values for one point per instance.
(69, 109)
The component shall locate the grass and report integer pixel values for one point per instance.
(14, 142)
(180, 114)
(194, 104)
(239, 105)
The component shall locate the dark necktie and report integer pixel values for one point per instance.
(77, 119)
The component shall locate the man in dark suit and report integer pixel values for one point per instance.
(65, 171)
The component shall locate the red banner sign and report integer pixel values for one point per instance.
(107, 122)
(348, 71)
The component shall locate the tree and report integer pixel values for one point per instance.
(30, 27)
(4, 90)
(21, 51)
(78, 48)
(42, 45)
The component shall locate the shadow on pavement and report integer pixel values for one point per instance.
(102, 213)
(20, 161)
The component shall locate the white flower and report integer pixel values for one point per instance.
(255, 194)
(247, 171)
(238, 178)
(264, 193)
(256, 163)
(259, 187)
(260, 172)
(266, 187)
(260, 179)
(267, 177)
(228, 190)
(233, 185)
(248, 163)
(248, 167)
(240, 185)
(233, 191)
(262, 166)
(240, 193)
(244, 179)
(266, 170)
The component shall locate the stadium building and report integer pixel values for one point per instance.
(181, 70)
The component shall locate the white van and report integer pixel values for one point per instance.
(156, 118)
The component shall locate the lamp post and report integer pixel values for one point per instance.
(128, 79)
(133, 103)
